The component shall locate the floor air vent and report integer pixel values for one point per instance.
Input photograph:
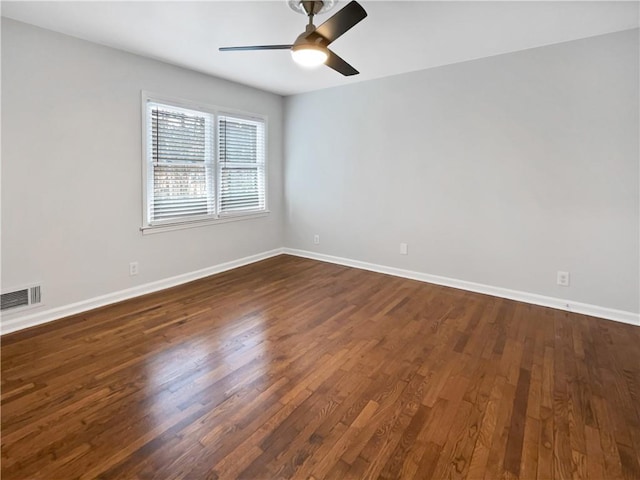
(21, 298)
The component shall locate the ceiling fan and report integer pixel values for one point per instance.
(310, 49)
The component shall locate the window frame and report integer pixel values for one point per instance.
(147, 177)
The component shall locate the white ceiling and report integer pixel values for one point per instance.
(396, 37)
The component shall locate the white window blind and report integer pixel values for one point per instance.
(180, 154)
(241, 164)
(187, 179)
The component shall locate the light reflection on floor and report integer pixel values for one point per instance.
(236, 348)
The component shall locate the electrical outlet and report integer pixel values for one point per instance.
(404, 249)
(563, 278)
(133, 269)
(316, 239)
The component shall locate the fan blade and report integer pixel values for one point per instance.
(342, 21)
(256, 47)
(339, 65)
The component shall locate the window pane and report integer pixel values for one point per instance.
(241, 146)
(177, 136)
(241, 141)
(241, 189)
(180, 163)
(179, 191)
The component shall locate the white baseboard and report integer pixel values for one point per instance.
(532, 298)
(45, 316)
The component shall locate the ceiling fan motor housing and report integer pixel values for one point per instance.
(306, 40)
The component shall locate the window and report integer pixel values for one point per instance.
(201, 164)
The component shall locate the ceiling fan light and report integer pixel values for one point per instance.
(309, 56)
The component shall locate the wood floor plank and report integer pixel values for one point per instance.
(293, 368)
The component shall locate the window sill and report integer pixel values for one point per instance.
(167, 227)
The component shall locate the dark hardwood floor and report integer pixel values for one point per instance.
(292, 368)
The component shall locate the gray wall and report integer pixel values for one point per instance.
(499, 171)
(71, 169)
